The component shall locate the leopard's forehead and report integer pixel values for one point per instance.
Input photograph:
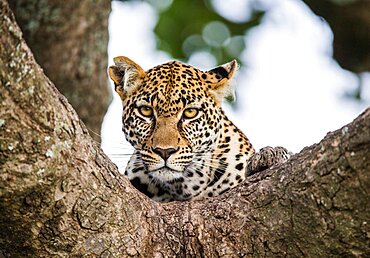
(172, 86)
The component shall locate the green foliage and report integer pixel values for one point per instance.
(189, 26)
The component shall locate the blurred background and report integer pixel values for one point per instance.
(301, 75)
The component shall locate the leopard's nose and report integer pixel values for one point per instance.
(164, 153)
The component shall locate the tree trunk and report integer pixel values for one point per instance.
(61, 196)
(69, 40)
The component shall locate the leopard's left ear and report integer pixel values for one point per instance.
(126, 75)
(219, 80)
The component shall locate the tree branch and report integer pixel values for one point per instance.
(60, 195)
(314, 205)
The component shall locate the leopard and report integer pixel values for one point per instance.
(185, 147)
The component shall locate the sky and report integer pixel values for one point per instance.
(290, 94)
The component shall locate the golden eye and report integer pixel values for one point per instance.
(190, 113)
(146, 111)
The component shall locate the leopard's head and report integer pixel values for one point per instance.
(171, 113)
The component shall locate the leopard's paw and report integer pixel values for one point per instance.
(266, 158)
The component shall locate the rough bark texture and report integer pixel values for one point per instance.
(350, 22)
(69, 40)
(61, 196)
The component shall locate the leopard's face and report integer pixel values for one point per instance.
(172, 120)
(185, 147)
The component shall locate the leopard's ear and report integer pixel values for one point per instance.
(126, 75)
(219, 80)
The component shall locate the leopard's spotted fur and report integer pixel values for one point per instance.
(185, 146)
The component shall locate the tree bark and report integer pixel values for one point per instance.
(69, 40)
(61, 196)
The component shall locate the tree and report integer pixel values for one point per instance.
(61, 196)
(72, 51)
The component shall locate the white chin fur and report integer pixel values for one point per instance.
(166, 174)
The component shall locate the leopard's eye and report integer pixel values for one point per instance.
(146, 111)
(190, 113)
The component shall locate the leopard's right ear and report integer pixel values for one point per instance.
(126, 75)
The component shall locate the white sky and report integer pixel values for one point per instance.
(290, 94)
